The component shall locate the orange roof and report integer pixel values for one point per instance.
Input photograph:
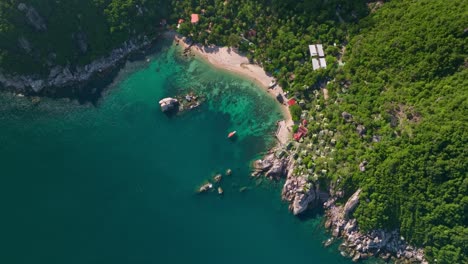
(195, 18)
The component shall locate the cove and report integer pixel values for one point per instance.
(116, 183)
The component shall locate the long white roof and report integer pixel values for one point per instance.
(320, 50)
(313, 50)
(323, 63)
(315, 64)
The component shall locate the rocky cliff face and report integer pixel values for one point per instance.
(271, 166)
(358, 245)
(297, 190)
(60, 76)
(33, 18)
(300, 193)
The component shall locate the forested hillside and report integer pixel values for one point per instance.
(408, 69)
(397, 102)
(396, 89)
(36, 34)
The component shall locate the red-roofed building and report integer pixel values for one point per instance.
(180, 22)
(195, 18)
(301, 132)
(291, 102)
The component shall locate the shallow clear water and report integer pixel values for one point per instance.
(116, 183)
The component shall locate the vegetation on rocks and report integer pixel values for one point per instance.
(394, 123)
(37, 34)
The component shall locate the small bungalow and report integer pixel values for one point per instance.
(180, 22)
(280, 98)
(195, 18)
(252, 33)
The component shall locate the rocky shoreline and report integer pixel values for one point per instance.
(61, 77)
(302, 194)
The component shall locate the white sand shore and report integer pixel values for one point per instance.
(229, 60)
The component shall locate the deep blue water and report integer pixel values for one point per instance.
(115, 183)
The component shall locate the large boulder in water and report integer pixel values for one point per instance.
(169, 104)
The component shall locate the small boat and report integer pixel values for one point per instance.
(230, 135)
(272, 84)
(220, 191)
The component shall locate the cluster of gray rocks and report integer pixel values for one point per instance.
(303, 194)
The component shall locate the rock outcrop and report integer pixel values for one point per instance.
(361, 130)
(357, 245)
(300, 193)
(351, 204)
(60, 76)
(271, 166)
(169, 104)
(32, 16)
(81, 41)
(347, 116)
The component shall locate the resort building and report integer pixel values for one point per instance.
(195, 18)
(318, 56)
(315, 64)
(312, 50)
(320, 50)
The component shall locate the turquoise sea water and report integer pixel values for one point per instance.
(116, 183)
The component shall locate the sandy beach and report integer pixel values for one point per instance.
(227, 59)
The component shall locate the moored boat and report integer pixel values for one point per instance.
(231, 134)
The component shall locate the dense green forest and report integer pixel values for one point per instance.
(37, 34)
(403, 81)
(396, 82)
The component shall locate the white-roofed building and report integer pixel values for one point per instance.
(315, 64)
(320, 50)
(313, 50)
(323, 63)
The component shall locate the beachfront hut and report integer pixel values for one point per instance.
(320, 50)
(323, 63)
(315, 64)
(280, 98)
(312, 50)
(195, 18)
(292, 102)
